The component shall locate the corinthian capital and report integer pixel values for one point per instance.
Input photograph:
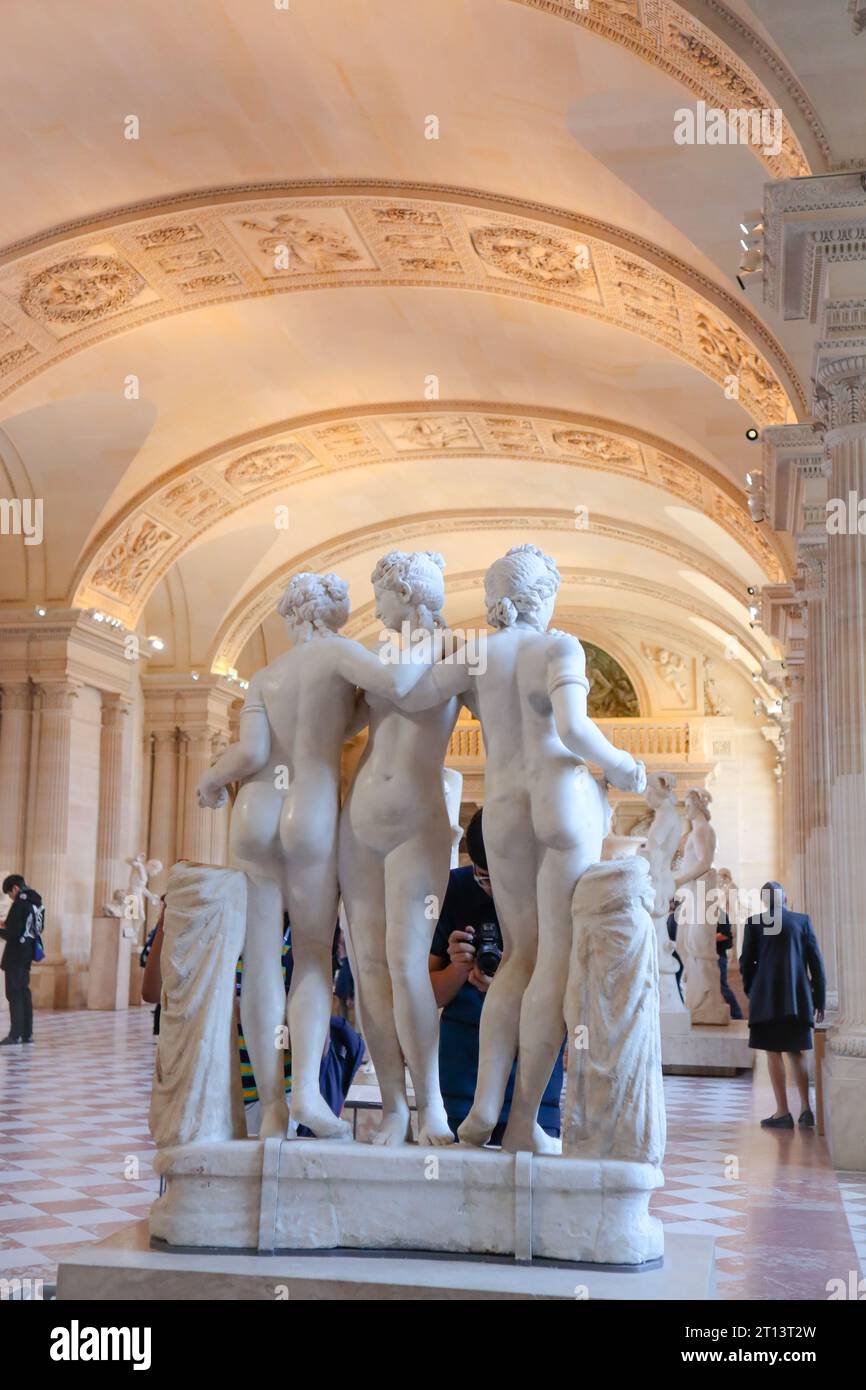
(840, 391)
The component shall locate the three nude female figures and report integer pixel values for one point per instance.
(388, 850)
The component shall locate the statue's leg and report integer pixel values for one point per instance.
(254, 847)
(513, 878)
(416, 877)
(263, 1000)
(362, 877)
(312, 899)
(542, 1023)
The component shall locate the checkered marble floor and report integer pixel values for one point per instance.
(75, 1163)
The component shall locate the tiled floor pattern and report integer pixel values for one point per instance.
(75, 1163)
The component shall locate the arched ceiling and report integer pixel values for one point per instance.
(531, 307)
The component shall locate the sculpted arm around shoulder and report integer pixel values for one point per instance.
(568, 688)
(370, 673)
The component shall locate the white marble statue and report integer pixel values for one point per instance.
(659, 849)
(452, 781)
(614, 1102)
(196, 1096)
(545, 818)
(695, 884)
(394, 859)
(297, 714)
(130, 902)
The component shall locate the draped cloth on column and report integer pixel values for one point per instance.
(614, 1103)
(196, 1094)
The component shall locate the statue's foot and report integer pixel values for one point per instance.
(319, 1117)
(475, 1130)
(393, 1129)
(522, 1138)
(433, 1127)
(275, 1121)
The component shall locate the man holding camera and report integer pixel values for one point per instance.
(464, 954)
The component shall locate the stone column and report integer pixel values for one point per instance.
(48, 858)
(113, 796)
(14, 767)
(163, 804)
(818, 880)
(841, 396)
(198, 822)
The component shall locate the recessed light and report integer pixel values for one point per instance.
(40, 612)
(751, 433)
(157, 643)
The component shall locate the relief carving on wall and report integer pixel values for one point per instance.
(131, 559)
(530, 255)
(512, 434)
(671, 667)
(195, 502)
(81, 290)
(430, 432)
(300, 246)
(603, 448)
(267, 465)
(732, 355)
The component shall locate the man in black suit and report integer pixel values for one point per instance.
(783, 975)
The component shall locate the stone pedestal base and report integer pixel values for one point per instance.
(844, 1087)
(49, 983)
(123, 1267)
(110, 950)
(708, 1051)
(318, 1195)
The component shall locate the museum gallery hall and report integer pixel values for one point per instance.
(433, 654)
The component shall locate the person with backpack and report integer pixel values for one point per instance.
(22, 933)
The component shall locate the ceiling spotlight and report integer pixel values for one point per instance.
(753, 612)
(751, 590)
(193, 675)
(157, 643)
(40, 611)
(752, 223)
(751, 434)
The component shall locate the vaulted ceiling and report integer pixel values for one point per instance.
(285, 288)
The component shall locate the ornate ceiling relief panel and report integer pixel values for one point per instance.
(666, 35)
(133, 558)
(209, 489)
(59, 299)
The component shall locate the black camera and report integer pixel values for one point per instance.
(488, 948)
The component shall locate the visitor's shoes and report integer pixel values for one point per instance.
(27, 1040)
(10, 1041)
(785, 1121)
(806, 1120)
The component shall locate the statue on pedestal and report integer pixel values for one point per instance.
(296, 716)
(697, 917)
(394, 859)
(659, 849)
(130, 903)
(545, 818)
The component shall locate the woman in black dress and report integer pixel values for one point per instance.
(783, 975)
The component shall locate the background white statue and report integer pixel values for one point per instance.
(695, 882)
(395, 855)
(296, 716)
(130, 902)
(545, 817)
(659, 849)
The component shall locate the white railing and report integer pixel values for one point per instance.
(643, 738)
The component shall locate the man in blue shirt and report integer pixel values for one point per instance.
(460, 985)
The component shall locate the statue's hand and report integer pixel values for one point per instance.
(629, 779)
(211, 795)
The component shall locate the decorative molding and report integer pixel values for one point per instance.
(134, 551)
(398, 234)
(840, 392)
(666, 35)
